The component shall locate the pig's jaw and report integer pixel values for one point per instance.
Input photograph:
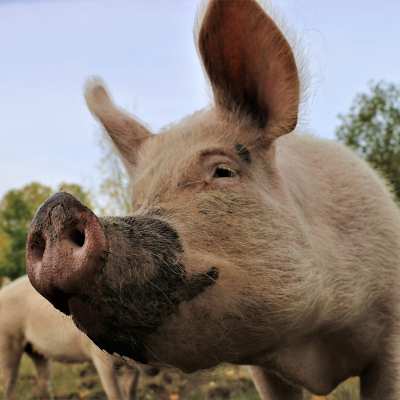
(97, 327)
(120, 322)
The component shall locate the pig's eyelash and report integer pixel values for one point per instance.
(224, 171)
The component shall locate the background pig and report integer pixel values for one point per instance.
(248, 243)
(29, 323)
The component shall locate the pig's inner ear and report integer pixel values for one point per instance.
(250, 65)
(125, 131)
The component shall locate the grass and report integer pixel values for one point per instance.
(80, 382)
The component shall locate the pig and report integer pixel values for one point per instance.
(249, 242)
(30, 324)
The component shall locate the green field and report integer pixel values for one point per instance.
(80, 382)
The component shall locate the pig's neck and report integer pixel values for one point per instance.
(315, 362)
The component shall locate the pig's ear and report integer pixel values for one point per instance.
(125, 131)
(250, 65)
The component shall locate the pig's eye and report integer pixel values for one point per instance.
(223, 171)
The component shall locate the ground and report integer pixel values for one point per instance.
(80, 382)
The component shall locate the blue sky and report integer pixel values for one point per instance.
(144, 51)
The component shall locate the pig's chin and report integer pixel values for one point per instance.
(107, 332)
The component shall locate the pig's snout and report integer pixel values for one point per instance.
(66, 246)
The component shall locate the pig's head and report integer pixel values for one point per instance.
(209, 267)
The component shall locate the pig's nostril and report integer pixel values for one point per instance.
(77, 237)
(37, 247)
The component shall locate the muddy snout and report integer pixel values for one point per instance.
(65, 248)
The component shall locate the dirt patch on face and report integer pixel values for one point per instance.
(121, 310)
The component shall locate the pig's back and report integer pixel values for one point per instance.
(49, 331)
(333, 188)
(14, 299)
(52, 333)
(350, 218)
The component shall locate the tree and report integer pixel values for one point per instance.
(17, 208)
(5, 244)
(114, 188)
(372, 129)
(16, 211)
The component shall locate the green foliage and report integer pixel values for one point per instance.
(17, 209)
(372, 129)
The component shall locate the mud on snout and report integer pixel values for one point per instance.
(120, 278)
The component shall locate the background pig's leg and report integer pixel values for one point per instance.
(382, 380)
(10, 356)
(42, 366)
(128, 382)
(271, 387)
(108, 376)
